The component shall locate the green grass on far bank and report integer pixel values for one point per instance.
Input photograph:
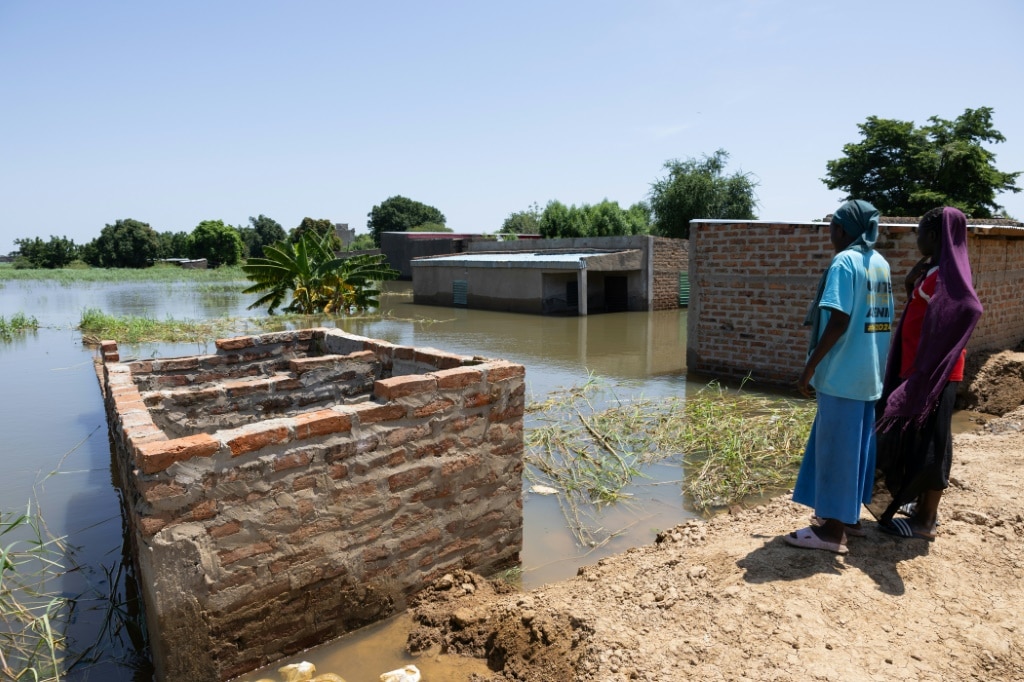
(157, 273)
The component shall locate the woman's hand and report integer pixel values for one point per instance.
(803, 384)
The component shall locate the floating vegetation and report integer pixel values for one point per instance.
(590, 445)
(737, 445)
(19, 323)
(32, 612)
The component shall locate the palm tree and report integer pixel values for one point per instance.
(316, 280)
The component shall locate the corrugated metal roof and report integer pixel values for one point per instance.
(512, 258)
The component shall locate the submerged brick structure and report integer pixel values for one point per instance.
(297, 485)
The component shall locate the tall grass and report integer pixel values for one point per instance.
(32, 612)
(157, 273)
(96, 325)
(589, 445)
(19, 323)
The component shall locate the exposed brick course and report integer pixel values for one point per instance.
(280, 490)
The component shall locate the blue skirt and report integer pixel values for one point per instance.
(838, 470)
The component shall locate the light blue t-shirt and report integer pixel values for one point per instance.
(859, 285)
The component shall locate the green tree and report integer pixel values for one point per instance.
(608, 219)
(218, 243)
(58, 252)
(400, 214)
(523, 222)
(559, 220)
(173, 245)
(318, 229)
(906, 170)
(362, 242)
(315, 280)
(605, 219)
(125, 244)
(261, 232)
(698, 188)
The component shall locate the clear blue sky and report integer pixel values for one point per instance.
(178, 112)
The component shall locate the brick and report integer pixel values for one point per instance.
(368, 413)
(158, 455)
(254, 440)
(431, 535)
(408, 478)
(230, 557)
(459, 377)
(320, 423)
(292, 460)
(236, 343)
(406, 435)
(433, 407)
(499, 371)
(225, 529)
(399, 387)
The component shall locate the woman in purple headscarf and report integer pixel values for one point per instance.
(925, 366)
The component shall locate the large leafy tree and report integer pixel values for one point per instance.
(598, 220)
(55, 253)
(400, 214)
(218, 243)
(699, 188)
(523, 222)
(907, 170)
(261, 232)
(318, 229)
(173, 245)
(308, 275)
(125, 244)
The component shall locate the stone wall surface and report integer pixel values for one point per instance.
(294, 486)
(751, 283)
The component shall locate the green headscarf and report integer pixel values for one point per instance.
(859, 219)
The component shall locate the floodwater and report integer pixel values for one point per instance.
(56, 456)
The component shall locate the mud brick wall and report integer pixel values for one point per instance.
(261, 528)
(751, 283)
(669, 258)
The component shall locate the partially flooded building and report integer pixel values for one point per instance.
(579, 276)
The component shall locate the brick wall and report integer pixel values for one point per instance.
(752, 282)
(670, 257)
(294, 486)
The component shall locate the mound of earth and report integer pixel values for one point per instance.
(726, 599)
(993, 383)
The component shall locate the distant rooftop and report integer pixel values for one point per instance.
(561, 260)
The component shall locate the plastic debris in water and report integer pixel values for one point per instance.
(409, 673)
(297, 672)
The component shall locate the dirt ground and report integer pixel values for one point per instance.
(726, 599)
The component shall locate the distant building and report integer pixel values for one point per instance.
(346, 234)
(557, 276)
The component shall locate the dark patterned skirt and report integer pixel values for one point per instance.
(913, 458)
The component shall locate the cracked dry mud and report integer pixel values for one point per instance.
(726, 599)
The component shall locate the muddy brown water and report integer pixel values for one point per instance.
(56, 455)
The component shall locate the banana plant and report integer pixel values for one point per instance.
(309, 276)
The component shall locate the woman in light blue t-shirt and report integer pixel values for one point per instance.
(851, 322)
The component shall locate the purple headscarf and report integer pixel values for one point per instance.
(953, 311)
